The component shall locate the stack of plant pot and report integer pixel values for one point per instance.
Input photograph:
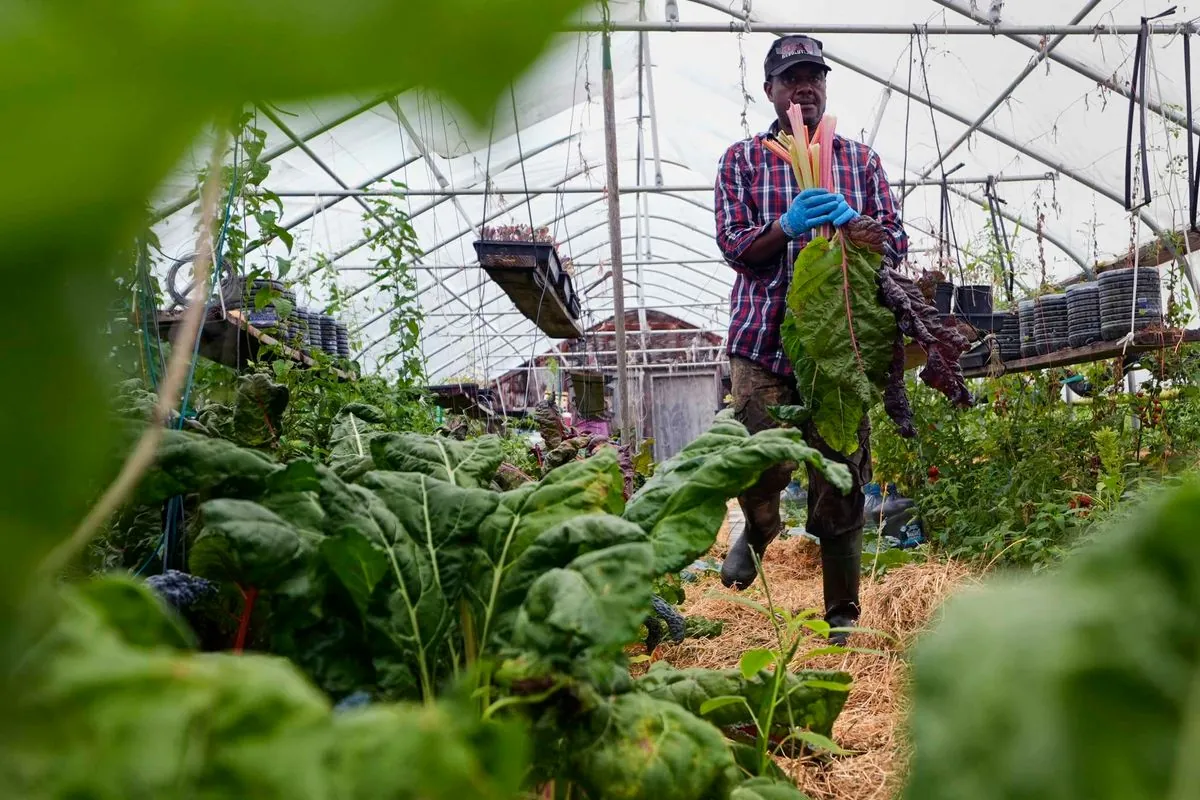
(1124, 306)
(1050, 323)
(267, 317)
(1083, 314)
(1007, 326)
(1025, 312)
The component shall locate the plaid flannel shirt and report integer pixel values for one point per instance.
(754, 188)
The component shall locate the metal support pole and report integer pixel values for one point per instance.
(1042, 54)
(328, 170)
(614, 224)
(639, 189)
(883, 104)
(881, 30)
(658, 175)
(1109, 82)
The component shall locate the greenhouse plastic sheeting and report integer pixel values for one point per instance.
(707, 88)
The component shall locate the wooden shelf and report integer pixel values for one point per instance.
(1144, 341)
(231, 340)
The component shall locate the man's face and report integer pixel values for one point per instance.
(802, 84)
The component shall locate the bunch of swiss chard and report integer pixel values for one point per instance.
(397, 571)
(848, 315)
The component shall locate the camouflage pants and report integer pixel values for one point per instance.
(830, 513)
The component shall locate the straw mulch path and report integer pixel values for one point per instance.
(900, 604)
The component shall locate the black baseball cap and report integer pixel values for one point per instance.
(789, 50)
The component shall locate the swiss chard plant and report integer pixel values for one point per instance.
(417, 582)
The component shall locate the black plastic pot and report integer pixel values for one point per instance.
(974, 300)
(943, 296)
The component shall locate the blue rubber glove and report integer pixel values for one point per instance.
(812, 208)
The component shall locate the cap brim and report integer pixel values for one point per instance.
(803, 58)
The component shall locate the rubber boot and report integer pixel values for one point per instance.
(841, 566)
(739, 570)
(760, 507)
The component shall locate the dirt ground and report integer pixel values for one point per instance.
(900, 603)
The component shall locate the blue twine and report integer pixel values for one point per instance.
(175, 504)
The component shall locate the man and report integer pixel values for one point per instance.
(763, 222)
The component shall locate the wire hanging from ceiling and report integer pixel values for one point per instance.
(1000, 236)
(947, 218)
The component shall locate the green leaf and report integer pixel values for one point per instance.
(283, 265)
(131, 609)
(755, 661)
(263, 298)
(819, 742)
(354, 428)
(430, 552)
(713, 703)
(114, 718)
(767, 789)
(636, 746)
(557, 547)
(801, 702)
(595, 605)
(298, 476)
(569, 493)
(188, 463)
(283, 235)
(245, 543)
(682, 507)
(470, 464)
(790, 415)
(132, 74)
(283, 308)
(1083, 682)
(840, 360)
(358, 564)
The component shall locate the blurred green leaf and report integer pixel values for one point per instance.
(105, 99)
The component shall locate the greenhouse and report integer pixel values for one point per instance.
(603, 399)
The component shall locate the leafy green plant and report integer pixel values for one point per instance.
(415, 581)
(148, 79)
(125, 706)
(1080, 683)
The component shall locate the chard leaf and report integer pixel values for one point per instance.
(188, 463)
(571, 492)
(354, 428)
(682, 506)
(118, 719)
(300, 509)
(245, 543)
(801, 704)
(438, 752)
(838, 384)
(636, 746)
(593, 606)
(298, 476)
(429, 556)
(558, 547)
(1078, 683)
(357, 563)
(349, 507)
(258, 409)
(767, 789)
(135, 612)
(470, 464)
